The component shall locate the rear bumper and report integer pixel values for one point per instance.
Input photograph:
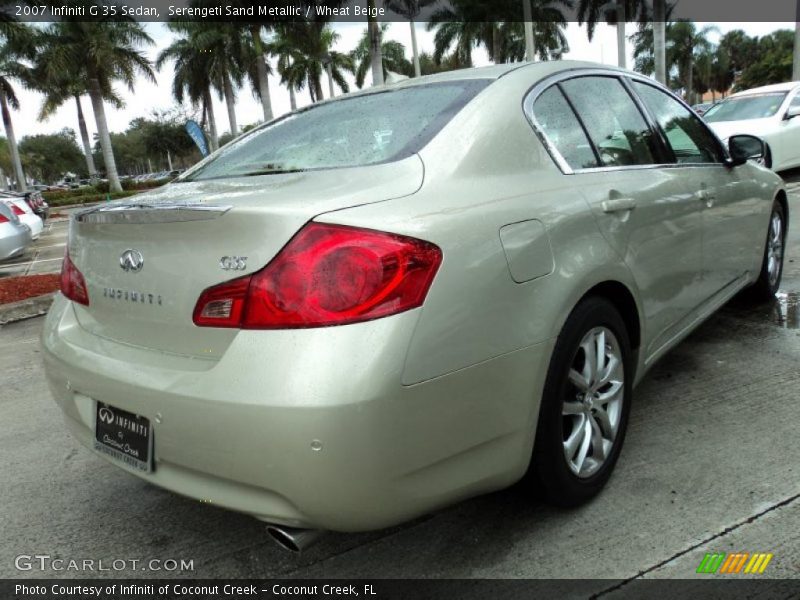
(238, 432)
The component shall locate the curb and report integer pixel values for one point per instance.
(25, 309)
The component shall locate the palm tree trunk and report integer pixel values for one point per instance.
(415, 48)
(87, 144)
(12, 145)
(329, 70)
(621, 20)
(496, 42)
(689, 81)
(96, 96)
(212, 122)
(375, 50)
(530, 45)
(3, 181)
(261, 68)
(230, 100)
(292, 97)
(659, 40)
(169, 161)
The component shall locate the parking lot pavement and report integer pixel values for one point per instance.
(44, 255)
(711, 464)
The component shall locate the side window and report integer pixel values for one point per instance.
(562, 129)
(689, 138)
(615, 125)
(796, 101)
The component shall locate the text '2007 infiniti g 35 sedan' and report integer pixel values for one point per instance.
(398, 299)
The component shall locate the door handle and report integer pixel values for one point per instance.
(618, 205)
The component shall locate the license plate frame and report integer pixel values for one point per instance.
(124, 436)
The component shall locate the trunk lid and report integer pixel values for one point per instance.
(147, 259)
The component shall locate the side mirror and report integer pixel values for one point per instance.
(791, 113)
(745, 147)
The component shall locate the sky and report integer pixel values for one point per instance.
(150, 96)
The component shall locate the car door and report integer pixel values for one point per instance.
(646, 213)
(730, 208)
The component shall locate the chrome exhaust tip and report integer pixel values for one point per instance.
(292, 538)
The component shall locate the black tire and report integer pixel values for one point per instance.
(768, 282)
(550, 471)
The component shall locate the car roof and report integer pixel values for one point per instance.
(775, 87)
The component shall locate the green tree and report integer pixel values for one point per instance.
(48, 156)
(18, 41)
(108, 51)
(393, 56)
(771, 63)
(61, 87)
(593, 12)
(192, 78)
(305, 52)
(460, 29)
(410, 9)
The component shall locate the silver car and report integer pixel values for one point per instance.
(15, 237)
(398, 299)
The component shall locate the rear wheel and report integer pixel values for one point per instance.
(584, 412)
(769, 279)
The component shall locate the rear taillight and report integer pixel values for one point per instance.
(326, 275)
(4, 219)
(16, 210)
(73, 286)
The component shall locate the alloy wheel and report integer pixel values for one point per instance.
(592, 407)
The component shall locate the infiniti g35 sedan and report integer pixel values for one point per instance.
(391, 301)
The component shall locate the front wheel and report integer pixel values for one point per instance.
(584, 411)
(769, 279)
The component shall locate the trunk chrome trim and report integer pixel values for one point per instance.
(155, 212)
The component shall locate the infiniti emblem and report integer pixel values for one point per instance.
(106, 415)
(131, 261)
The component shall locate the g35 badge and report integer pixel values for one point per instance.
(233, 263)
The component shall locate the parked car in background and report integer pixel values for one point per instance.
(25, 214)
(35, 201)
(701, 108)
(403, 297)
(771, 112)
(15, 236)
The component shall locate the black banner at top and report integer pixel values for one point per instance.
(274, 11)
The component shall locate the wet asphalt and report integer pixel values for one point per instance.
(711, 464)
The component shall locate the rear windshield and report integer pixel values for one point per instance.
(363, 130)
(742, 108)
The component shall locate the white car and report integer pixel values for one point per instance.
(26, 216)
(769, 112)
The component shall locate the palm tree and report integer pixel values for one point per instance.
(107, 51)
(305, 51)
(685, 44)
(592, 12)
(59, 88)
(11, 68)
(192, 79)
(375, 47)
(458, 33)
(229, 52)
(393, 57)
(410, 9)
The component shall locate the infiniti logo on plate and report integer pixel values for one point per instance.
(131, 261)
(106, 415)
